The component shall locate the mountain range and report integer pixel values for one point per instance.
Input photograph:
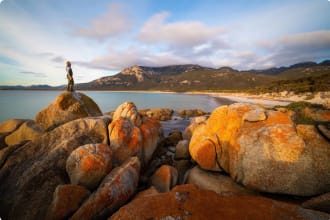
(181, 78)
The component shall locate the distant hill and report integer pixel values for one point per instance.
(313, 83)
(190, 77)
(33, 87)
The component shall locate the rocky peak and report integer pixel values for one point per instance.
(136, 71)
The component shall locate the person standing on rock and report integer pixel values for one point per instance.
(69, 75)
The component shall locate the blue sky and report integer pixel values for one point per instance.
(103, 37)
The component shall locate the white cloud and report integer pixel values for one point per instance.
(112, 23)
(290, 49)
(35, 74)
(185, 34)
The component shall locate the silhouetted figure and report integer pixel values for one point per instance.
(69, 75)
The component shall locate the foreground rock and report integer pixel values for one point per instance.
(152, 134)
(125, 139)
(191, 113)
(8, 127)
(88, 164)
(216, 182)
(29, 130)
(66, 200)
(128, 110)
(164, 178)
(263, 150)
(320, 203)
(31, 173)
(67, 107)
(195, 122)
(161, 114)
(114, 191)
(189, 202)
(133, 135)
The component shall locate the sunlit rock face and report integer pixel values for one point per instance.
(66, 107)
(131, 134)
(263, 150)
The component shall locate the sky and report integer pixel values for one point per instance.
(102, 37)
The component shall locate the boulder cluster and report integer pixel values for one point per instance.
(73, 162)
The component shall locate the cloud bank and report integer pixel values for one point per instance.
(112, 23)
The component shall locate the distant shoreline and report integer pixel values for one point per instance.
(226, 98)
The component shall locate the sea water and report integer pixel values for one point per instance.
(25, 104)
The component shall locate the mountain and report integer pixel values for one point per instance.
(198, 78)
(32, 87)
(176, 78)
(297, 68)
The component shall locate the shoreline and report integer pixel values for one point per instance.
(270, 100)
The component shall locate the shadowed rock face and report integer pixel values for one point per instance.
(164, 178)
(66, 200)
(67, 107)
(264, 150)
(217, 182)
(30, 174)
(189, 202)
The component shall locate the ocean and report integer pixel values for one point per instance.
(24, 104)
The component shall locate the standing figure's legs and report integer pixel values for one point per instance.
(68, 87)
(71, 85)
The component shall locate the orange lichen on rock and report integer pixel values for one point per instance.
(125, 139)
(263, 149)
(88, 164)
(114, 191)
(151, 134)
(66, 200)
(189, 202)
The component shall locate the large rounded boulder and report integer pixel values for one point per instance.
(263, 150)
(128, 110)
(66, 107)
(125, 139)
(131, 134)
(89, 164)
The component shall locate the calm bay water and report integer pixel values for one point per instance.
(26, 104)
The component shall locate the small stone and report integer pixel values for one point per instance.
(182, 150)
(164, 178)
(182, 166)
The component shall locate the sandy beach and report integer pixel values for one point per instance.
(270, 100)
